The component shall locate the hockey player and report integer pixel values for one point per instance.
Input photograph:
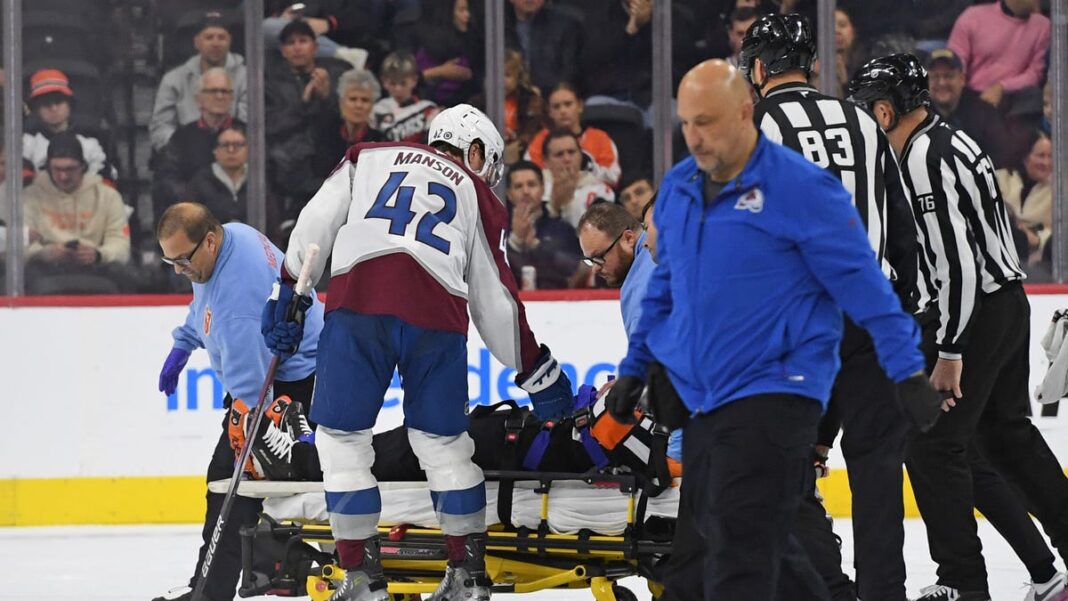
(232, 268)
(976, 338)
(416, 236)
(776, 55)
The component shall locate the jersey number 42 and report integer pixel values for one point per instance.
(394, 204)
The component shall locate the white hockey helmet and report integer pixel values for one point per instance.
(461, 126)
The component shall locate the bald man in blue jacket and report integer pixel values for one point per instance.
(759, 252)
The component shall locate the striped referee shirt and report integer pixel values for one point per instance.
(963, 227)
(844, 138)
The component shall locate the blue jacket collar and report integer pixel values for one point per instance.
(692, 178)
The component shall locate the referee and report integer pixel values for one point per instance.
(976, 343)
(776, 56)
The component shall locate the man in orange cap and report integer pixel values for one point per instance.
(51, 102)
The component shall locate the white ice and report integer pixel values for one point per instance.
(137, 563)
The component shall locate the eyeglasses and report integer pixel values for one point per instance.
(598, 259)
(217, 91)
(231, 145)
(186, 260)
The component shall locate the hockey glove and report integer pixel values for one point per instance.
(623, 398)
(548, 386)
(172, 366)
(664, 402)
(920, 400)
(282, 322)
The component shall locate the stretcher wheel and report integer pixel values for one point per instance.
(623, 593)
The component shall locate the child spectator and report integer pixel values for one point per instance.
(402, 116)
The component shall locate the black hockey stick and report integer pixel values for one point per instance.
(301, 289)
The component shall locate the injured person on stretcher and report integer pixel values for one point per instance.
(510, 439)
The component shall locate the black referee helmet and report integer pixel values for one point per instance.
(899, 79)
(782, 43)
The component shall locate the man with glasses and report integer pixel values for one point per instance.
(176, 99)
(221, 186)
(233, 268)
(191, 147)
(570, 186)
(77, 225)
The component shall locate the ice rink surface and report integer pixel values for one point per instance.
(137, 563)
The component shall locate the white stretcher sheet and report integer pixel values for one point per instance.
(573, 505)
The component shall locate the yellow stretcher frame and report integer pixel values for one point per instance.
(517, 561)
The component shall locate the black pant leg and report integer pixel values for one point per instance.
(1003, 508)
(938, 462)
(757, 456)
(814, 531)
(226, 565)
(684, 571)
(875, 431)
(1011, 442)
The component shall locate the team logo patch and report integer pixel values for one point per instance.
(752, 201)
(207, 322)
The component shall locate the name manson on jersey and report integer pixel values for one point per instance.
(419, 158)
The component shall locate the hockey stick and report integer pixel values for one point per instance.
(301, 289)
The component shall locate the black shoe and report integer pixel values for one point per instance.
(941, 592)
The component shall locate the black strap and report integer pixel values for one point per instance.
(513, 428)
(658, 462)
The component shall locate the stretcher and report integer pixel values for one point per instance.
(545, 530)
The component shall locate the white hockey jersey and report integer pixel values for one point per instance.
(414, 234)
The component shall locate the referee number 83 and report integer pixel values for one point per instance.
(830, 146)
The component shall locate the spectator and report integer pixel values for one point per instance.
(547, 244)
(190, 148)
(570, 188)
(523, 107)
(565, 112)
(962, 107)
(617, 50)
(1003, 47)
(221, 186)
(51, 103)
(297, 96)
(357, 90)
(78, 224)
(849, 55)
(548, 39)
(176, 99)
(450, 55)
(635, 193)
(402, 116)
(326, 21)
(737, 24)
(1028, 195)
(938, 16)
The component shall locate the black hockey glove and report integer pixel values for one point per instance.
(623, 398)
(664, 402)
(920, 400)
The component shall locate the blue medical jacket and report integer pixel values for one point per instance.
(224, 317)
(747, 294)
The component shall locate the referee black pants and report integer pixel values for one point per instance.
(875, 432)
(226, 566)
(748, 464)
(989, 424)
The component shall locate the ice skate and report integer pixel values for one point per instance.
(466, 580)
(1056, 589)
(940, 592)
(181, 593)
(359, 586)
(271, 456)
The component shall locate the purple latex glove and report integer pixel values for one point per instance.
(172, 366)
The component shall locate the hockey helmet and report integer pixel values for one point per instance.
(463, 125)
(900, 79)
(782, 42)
